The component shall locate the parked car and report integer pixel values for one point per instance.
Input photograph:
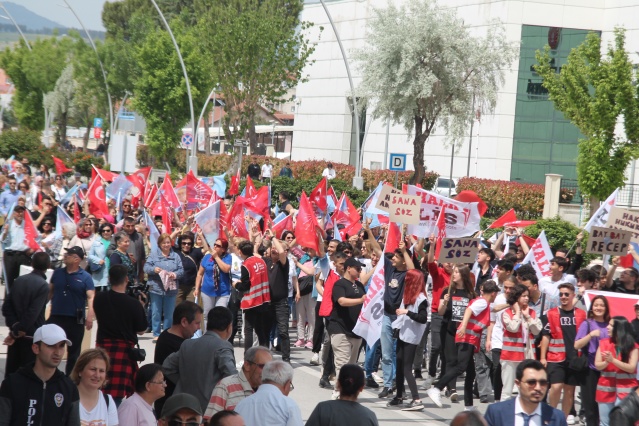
(446, 187)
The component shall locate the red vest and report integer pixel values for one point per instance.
(476, 326)
(557, 348)
(513, 348)
(614, 383)
(259, 292)
(326, 306)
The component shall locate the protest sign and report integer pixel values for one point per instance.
(625, 220)
(458, 250)
(539, 256)
(369, 322)
(404, 208)
(384, 198)
(608, 241)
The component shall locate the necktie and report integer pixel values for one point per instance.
(527, 418)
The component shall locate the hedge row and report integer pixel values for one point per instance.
(310, 170)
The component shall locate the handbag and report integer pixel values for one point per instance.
(580, 363)
(306, 284)
(136, 353)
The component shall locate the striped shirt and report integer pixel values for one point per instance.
(228, 393)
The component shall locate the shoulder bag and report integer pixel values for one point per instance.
(580, 362)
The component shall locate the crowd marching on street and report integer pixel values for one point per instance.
(406, 306)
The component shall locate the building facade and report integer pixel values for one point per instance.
(523, 140)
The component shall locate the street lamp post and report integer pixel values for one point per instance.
(213, 93)
(358, 181)
(192, 163)
(106, 84)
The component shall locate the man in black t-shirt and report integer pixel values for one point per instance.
(277, 267)
(254, 169)
(187, 319)
(627, 281)
(121, 318)
(348, 296)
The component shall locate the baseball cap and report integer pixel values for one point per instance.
(178, 401)
(50, 334)
(353, 263)
(77, 250)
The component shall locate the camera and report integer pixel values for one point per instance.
(137, 290)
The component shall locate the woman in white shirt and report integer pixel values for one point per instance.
(89, 374)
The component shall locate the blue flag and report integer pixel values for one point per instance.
(118, 188)
(209, 222)
(69, 195)
(154, 234)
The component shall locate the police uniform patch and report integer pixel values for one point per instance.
(59, 399)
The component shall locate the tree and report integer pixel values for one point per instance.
(422, 67)
(256, 51)
(59, 102)
(33, 74)
(595, 94)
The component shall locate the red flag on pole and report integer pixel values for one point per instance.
(318, 195)
(104, 174)
(471, 197)
(166, 216)
(520, 223)
(97, 199)
(60, 168)
(393, 238)
(285, 224)
(169, 193)
(30, 232)
(441, 233)
(235, 184)
(306, 225)
(509, 216)
(76, 210)
(249, 189)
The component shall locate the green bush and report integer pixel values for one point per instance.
(560, 233)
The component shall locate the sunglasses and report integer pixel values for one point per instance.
(532, 383)
(217, 245)
(187, 243)
(564, 294)
(106, 230)
(175, 422)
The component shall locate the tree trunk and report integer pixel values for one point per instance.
(252, 136)
(594, 204)
(207, 137)
(418, 152)
(85, 138)
(63, 127)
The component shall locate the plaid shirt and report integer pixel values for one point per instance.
(228, 393)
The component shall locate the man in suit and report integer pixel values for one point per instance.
(527, 409)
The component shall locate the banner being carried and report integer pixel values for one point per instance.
(539, 256)
(369, 322)
(462, 219)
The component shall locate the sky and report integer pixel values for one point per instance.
(89, 11)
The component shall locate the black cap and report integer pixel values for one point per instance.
(353, 263)
(178, 401)
(77, 250)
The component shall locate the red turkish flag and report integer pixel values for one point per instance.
(249, 188)
(31, 233)
(151, 194)
(235, 184)
(471, 197)
(441, 234)
(166, 216)
(97, 199)
(331, 193)
(520, 223)
(306, 225)
(260, 202)
(318, 195)
(509, 216)
(76, 210)
(285, 224)
(143, 173)
(393, 238)
(104, 174)
(60, 168)
(169, 193)
(235, 219)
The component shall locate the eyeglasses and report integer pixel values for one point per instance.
(564, 294)
(532, 383)
(126, 205)
(187, 243)
(176, 422)
(163, 382)
(292, 387)
(217, 245)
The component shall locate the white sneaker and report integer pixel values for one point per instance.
(315, 359)
(570, 419)
(335, 395)
(471, 408)
(433, 394)
(377, 378)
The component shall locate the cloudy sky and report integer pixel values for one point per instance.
(89, 11)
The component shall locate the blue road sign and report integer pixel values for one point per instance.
(397, 162)
(187, 139)
(97, 122)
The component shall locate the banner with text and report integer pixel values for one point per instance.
(539, 256)
(626, 220)
(369, 322)
(462, 219)
(459, 250)
(608, 241)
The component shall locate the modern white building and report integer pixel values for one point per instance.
(525, 138)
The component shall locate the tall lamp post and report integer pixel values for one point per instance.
(213, 93)
(358, 180)
(192, 163)
(106, 84)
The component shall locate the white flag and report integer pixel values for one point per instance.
(539, 256)
(369, 323)
(600, 218)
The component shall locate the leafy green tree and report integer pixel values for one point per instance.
(596, 93)
(60, 102)
(256, 51)
(423, 68)
(35, 73)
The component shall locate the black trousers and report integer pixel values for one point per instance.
(12, 262)
(465, 362)
(405, 355)
(436, 345)
(318, 332)
(497, 383)
(588, 391)
(18, 355)
(75, 333)
(259, 319)
(281, 314)
(450, 350)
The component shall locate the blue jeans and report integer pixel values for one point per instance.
(604, 412)
(162, 306)
(373, 356)
(389, 362)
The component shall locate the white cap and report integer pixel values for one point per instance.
(50, 334)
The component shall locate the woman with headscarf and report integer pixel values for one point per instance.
(84, 237)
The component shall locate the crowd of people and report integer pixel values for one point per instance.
(527, 343)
